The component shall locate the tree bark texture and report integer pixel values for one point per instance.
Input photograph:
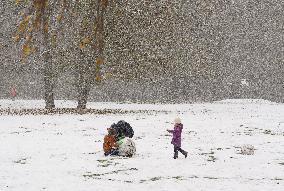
(88, 69)
(48, 69)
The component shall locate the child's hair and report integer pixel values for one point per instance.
(177, 120)
(111, 131)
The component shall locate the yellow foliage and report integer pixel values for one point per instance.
(23, 24)
(99, 61)
(59, 18)
(82, 45)
(27, 18)
(21, 28)
(98, 78)
(40, 4)
(26, 50)
(107, 75)
(84, 42)
(16, 38)
(28, 38)
(45, 29)
(30, 29)
(36, 24)
(104, 3)
(17, 2)
(85, 23)
(53, 39)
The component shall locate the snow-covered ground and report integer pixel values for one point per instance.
(64, 152)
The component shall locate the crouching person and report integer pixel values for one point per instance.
(110, 146)
(118, 141)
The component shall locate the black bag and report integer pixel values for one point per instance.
(123, 129)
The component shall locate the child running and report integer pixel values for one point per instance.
(176, 140)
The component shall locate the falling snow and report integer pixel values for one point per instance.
(218, 65)
(161, 51)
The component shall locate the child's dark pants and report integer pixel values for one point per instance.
(176, 149)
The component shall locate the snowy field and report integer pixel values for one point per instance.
(64, 152)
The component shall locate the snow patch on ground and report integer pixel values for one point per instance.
(64, 152)
(246, 101)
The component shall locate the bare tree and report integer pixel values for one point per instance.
(89, 69)
(37, 19)
(35, 24)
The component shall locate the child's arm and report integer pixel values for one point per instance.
(119, 141)
(114, 145)
(175, 130)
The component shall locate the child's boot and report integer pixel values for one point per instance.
(184, 153)
(176, 155)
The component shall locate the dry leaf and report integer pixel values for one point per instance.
(26, 18)
(30, 29)
(86, 40)
(26, 49)
(99, 61)
(98, 78)
(17, 2)
(53, 39)
(16, 38)
(46, 27)
(104, 3)
(59, 18)
(28, 38)
(82, 45)
(85, 23)
(107, 75)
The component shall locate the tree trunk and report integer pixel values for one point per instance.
(48, 69)
(83, 82)
(88, 70)
(48, 82)
(99, 34)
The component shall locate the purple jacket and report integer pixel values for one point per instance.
(176, 140)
